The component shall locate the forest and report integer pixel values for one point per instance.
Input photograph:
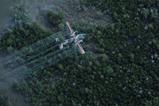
(120, 67)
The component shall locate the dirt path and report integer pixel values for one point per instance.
(36, 8)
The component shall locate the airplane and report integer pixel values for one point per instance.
(74, 38)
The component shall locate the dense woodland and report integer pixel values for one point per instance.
(120, 67)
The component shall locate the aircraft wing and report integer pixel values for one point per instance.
(74, 35)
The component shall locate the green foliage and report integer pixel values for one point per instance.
(87, 80)
(153, 102)
(22, 35)
(26, 32)
(123, 69)
(64, 83)
(55, 20)
(3, 101)
(20, 15)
